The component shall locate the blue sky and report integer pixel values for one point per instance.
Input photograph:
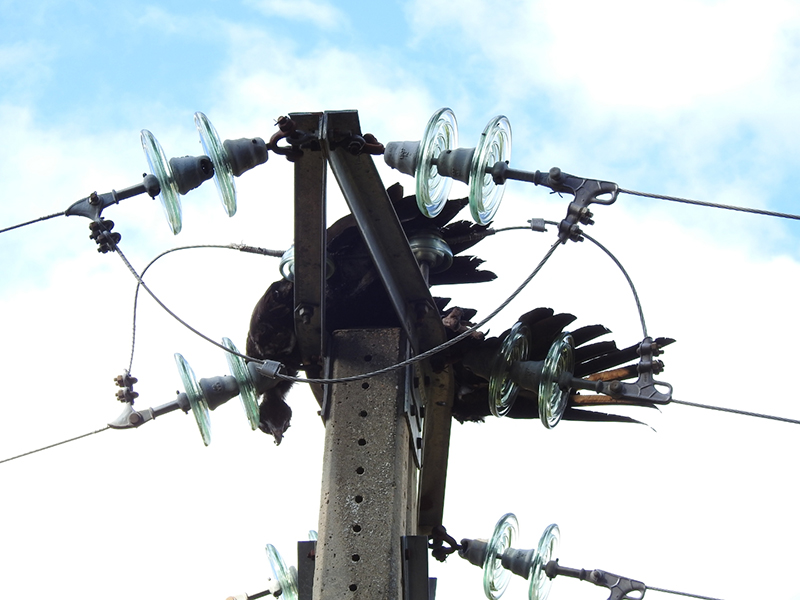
(695, 99)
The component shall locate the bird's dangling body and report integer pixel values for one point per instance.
(272, 337)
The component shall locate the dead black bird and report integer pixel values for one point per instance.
(356, 298)
(355, 295)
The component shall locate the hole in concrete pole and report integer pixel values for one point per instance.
(353, 587)
(355, 558)
(360, 470)
(357, 528)
(368, 358)
(362, 414)
(365, 385)
(359, 499)
(362, 442)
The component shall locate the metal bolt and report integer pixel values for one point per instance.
(305, 312)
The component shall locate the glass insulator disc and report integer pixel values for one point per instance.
(495, 576)
(196, 399)
(494, 146)
(285, 576)
(540, 583)
(502, 390)
(441, 135)
(160, 167)
(215, 150)
(247, 387)
(552, 398)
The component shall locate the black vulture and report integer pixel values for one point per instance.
(355, 285)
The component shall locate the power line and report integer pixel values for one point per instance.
(172, 314)
(59, 214)
(240, 247)
(736, 411)
(54, 445)
(756, 211)
(655, 589)
(400, 365)
(440, 347)
(604, 249)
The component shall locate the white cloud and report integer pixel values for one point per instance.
(710, 88)
(321, 14)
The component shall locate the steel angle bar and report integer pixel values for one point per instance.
(435, 450)
(383, 234)
(309, 247)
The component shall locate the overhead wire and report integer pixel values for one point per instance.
(171, 313)
(665, 591)
(736, 411)
(644, 330)
(432, 351)
(394, 367)
(54, 445)
(439, 348)
(400, 365)
(627, 277)
(140, 283)
(239, 247)
(616, 262)
(45, 218)
(755, 211)
(390, 368)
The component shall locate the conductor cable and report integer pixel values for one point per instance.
(756, 211)
(53, 445)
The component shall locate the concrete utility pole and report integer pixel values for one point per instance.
(383, 471)
(368, 499)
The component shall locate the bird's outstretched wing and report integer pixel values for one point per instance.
(473, 359)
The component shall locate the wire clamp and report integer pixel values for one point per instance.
(101, 233)
(269, 368)
(93, 205)
(585, 191)
(644, 388)
(622, 588)
(126, 381)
